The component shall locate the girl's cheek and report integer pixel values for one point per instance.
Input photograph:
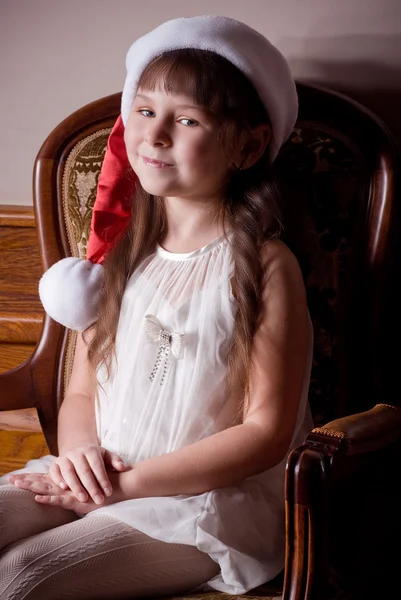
(127, 138)
(132, 129)
(198, 148)
(131, 142)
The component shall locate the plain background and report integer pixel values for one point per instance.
(58, 55)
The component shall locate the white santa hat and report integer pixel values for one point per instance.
(247, 49)
(71, 288)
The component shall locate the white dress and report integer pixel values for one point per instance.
(165, 395)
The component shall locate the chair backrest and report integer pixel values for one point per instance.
(341, 219)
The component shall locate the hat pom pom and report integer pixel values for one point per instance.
(70, 292)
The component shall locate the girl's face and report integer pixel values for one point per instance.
(173, 148)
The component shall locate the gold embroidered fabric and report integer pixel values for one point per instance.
(80, 178)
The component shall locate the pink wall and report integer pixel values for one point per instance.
(56, 56)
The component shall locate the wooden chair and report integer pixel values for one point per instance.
(342, 219)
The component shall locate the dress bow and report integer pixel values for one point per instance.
(170, 342)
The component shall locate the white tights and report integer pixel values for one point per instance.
(48, 553)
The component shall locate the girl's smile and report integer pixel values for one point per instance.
(157, 164)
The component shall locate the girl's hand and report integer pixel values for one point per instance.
(47, 492)
(83, 471)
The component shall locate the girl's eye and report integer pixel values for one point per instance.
(189, 122)
(149, 113)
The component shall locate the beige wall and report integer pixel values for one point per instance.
(57, 55)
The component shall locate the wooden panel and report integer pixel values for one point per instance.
(16, 216)
(17, 447)
(21, 313)
(20, 266)
(20, 420)
(13, 355)
(19, 327)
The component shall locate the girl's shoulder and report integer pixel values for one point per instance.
(281, 269)
(274, 254)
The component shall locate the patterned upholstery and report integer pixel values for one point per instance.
(80, 179)
(323, 180)
(81, 174)
(322, 175)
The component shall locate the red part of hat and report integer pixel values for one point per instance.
(113, 205)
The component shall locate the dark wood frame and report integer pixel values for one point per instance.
(341, 447)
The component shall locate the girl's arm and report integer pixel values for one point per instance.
(280, 347)
(76, 418)
(81, 464)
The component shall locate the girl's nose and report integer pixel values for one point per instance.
(157, 134)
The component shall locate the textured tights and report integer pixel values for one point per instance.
(48, 553)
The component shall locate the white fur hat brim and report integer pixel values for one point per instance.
(70, 292)
(247, 49)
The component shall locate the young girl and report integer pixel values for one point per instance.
(189, 385)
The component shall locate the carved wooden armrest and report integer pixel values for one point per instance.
(363, 432)
(331, 455)
(16, 388)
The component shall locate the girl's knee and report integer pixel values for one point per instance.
(25, 568)
(10, 498)
(19, 573)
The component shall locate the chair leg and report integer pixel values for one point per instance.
(307, 525)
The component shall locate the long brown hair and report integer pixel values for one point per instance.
(249, 209)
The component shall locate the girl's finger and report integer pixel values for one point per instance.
(36, 483)
(43, 499)
(69, 474)
(18, 481)
(116, 462)
(112, 459)
(67, 502)
(33, 485)
(20, 477)
(56, 476)
(97, 464)
(52, 500)
(86, 479)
